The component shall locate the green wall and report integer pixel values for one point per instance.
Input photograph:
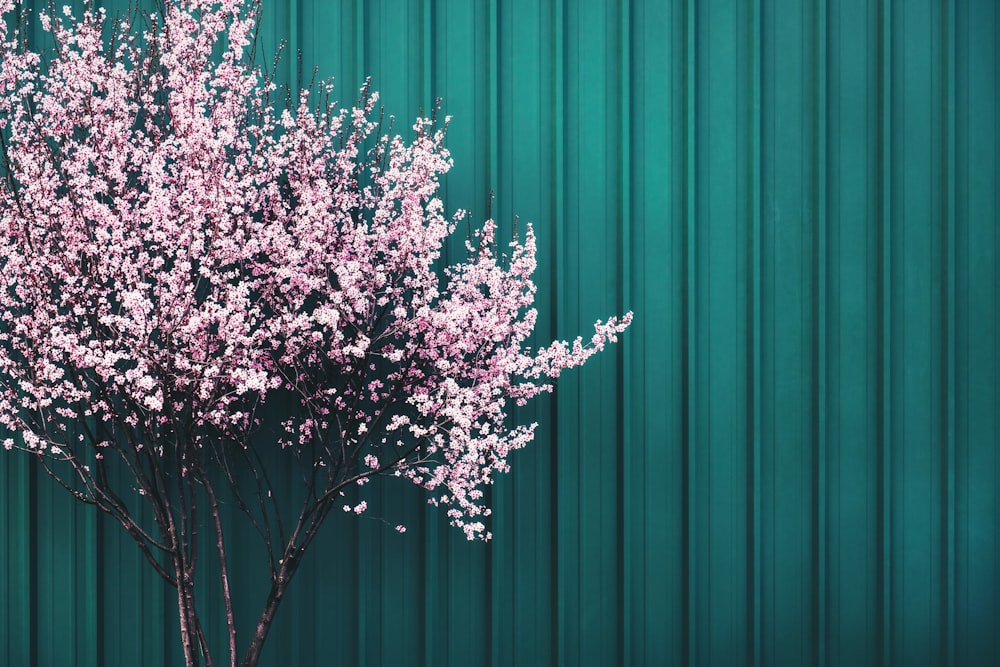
(792, 457)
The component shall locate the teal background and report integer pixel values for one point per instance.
(790, 459)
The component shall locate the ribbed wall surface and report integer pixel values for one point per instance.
(791, 459)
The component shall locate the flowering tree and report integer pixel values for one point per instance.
(179, 257)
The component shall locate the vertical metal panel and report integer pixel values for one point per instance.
(853, 259)
(886, 87)
(949, 74)
(792, 458)
(17, 572)
(690, 347)
(917, 310)
(656, 459)
(977, 348)
(788, 306)
(723, 314)
(820, 491)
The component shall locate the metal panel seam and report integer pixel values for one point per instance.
(951, 53)
(626, 512)
(821, 327)
(756, 326)
(885, 129)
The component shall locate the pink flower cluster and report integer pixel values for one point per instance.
(175, 253)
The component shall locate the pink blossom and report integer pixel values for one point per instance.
(174, 249)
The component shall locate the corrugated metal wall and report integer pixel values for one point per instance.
(792, 458)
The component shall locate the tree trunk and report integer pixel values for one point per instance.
(185, 608)
(274, 598)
